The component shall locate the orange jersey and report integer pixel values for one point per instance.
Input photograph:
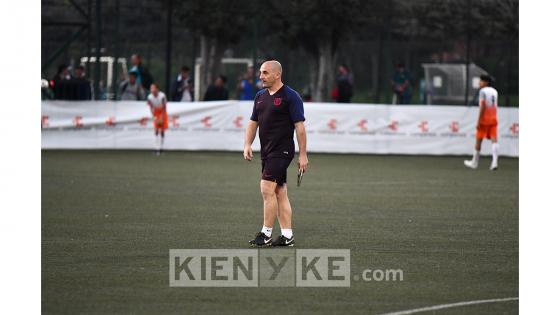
(488, 96)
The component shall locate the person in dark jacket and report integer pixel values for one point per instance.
(344, 85)
(182, 90)
(143, 75)
(60, 84)
(81, 85)
(217, 91)
(401, 84)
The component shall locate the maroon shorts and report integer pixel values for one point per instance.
(276, 170)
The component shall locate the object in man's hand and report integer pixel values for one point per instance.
(299, 176)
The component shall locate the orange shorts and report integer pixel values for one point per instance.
(160, 119)
(487, 132)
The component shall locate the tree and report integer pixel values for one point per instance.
(319, 27)
(219, 24)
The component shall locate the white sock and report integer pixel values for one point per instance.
(161, 142)
(495, 153)
(157, 142)
(267, 231)
(287, 233)
(476, 156)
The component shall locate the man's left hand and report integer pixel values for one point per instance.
(303, 162)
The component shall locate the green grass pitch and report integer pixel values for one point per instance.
(109, 219)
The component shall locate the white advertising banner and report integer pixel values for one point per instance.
(336, 128)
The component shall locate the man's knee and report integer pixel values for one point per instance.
(268, 189)
(281, 191)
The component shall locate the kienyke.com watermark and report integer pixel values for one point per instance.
(268, 268)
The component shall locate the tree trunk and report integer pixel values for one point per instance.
(211, 53)
(215, 59)
(313, 79)
(210, 63)
(325, 72)
(375, 76)
(203, 81)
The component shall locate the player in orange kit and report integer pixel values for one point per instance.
(158, 106)
(487, 126)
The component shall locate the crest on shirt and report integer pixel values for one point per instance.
(277, 101)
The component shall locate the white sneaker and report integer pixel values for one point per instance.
(494, 166)
(471, 164)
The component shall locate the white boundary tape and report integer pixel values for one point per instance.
(442, 306)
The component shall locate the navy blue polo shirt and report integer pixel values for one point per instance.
(276, 115)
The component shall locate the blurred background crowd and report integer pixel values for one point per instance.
(397, 51)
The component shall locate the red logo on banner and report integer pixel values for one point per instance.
(143, 121)
(237, 122)
(110, 121)
(394, 125)
(78, 121)
(332, 124)
(362, 124)
(514, 128)
(277, 101)
(174, 121)
(44, 121)
(423, 126)
(206, 121)
(454, 126)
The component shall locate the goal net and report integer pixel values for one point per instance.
(446, 83)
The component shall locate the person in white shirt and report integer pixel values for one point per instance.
(158, 106)
(131, 89)
(487, 124)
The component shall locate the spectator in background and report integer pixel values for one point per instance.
(423, 91)
(246, 86)
(131, 89)
(103, 91)
(182, 90)
(217, 91)
(259, 85)
(60, 83)
(81, 85)
(142, 74)
(344, 82)
(401, 85)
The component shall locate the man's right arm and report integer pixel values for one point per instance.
(482, 106)
(250, 134)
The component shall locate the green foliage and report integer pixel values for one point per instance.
(307, 23)
(227, 21)
(440, 19)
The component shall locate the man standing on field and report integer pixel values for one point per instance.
(487, 126)
(277, 112)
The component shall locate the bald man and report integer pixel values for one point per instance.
(277, 112)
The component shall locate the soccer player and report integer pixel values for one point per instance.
(277, 112)
(487, 125)
(158, 106)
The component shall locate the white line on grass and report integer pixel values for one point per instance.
(442, 306)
